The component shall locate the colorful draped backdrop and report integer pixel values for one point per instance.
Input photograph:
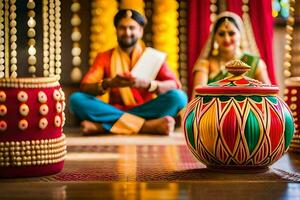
(262, 25)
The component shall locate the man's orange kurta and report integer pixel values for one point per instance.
(102, 69)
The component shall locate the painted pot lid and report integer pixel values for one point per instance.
(238, 83)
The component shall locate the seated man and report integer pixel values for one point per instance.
(129, 104)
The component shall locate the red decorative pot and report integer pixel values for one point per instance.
(238, 123)
(292, 96)
(31, 121)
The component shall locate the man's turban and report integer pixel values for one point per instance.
(129, 13)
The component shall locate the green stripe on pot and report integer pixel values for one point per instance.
(252, 131)
(256, 98)
(189, 127)
(240, 98)
(272, 99)
(289, 127)
(224, 98)
(207, 99)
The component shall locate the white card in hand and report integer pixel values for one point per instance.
(149, 64)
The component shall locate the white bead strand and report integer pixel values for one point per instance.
(46, 41)
(31, 35)
(13, 38)
(57, 38)
(2, 40)
(76, 73)
(52, 38)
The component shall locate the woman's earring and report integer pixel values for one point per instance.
(215, 51)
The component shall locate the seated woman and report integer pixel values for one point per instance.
(226, 42)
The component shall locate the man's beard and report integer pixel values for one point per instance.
(127, 44)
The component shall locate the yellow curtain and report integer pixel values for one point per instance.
(165, 30)
(103, 34)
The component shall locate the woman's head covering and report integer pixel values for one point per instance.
(129, 13)
(206, 52)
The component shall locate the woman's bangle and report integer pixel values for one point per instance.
(153, 86)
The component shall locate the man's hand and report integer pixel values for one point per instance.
(138, 82)
(119, 81)
(141, 83)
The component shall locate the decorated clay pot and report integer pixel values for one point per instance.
(238, 123)
(292, 96)
(31, 121)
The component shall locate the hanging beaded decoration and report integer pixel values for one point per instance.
(6, 35)
(45, 39)
(31, 35)
(183, 31)
(292, 84)
(13, 39)
(213, 10)
(288, 46)
(103, 34)
(31, 108)
(165, 30)
(147, 38)
(1, 40)
(57, 38)
(51, 38)
(76, 73)
(248, 27)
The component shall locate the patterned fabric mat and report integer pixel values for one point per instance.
(152, 163)
(148, 158)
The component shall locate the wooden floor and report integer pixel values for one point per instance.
(150, 167)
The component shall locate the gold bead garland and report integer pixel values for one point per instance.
(288, 46)
(31, 35)
(76, 73)
(2, 67)
(103, 33)
(41, 82)
(248, 26)
(57, 38)
(51, 38)
(6, 40)
(213, 10)
(46, 42)
(13, 39)
(32, 152)
(291, 81)
(165, 31)
(183, 30)
(148, 30)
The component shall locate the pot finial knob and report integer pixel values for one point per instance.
(237, 67)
